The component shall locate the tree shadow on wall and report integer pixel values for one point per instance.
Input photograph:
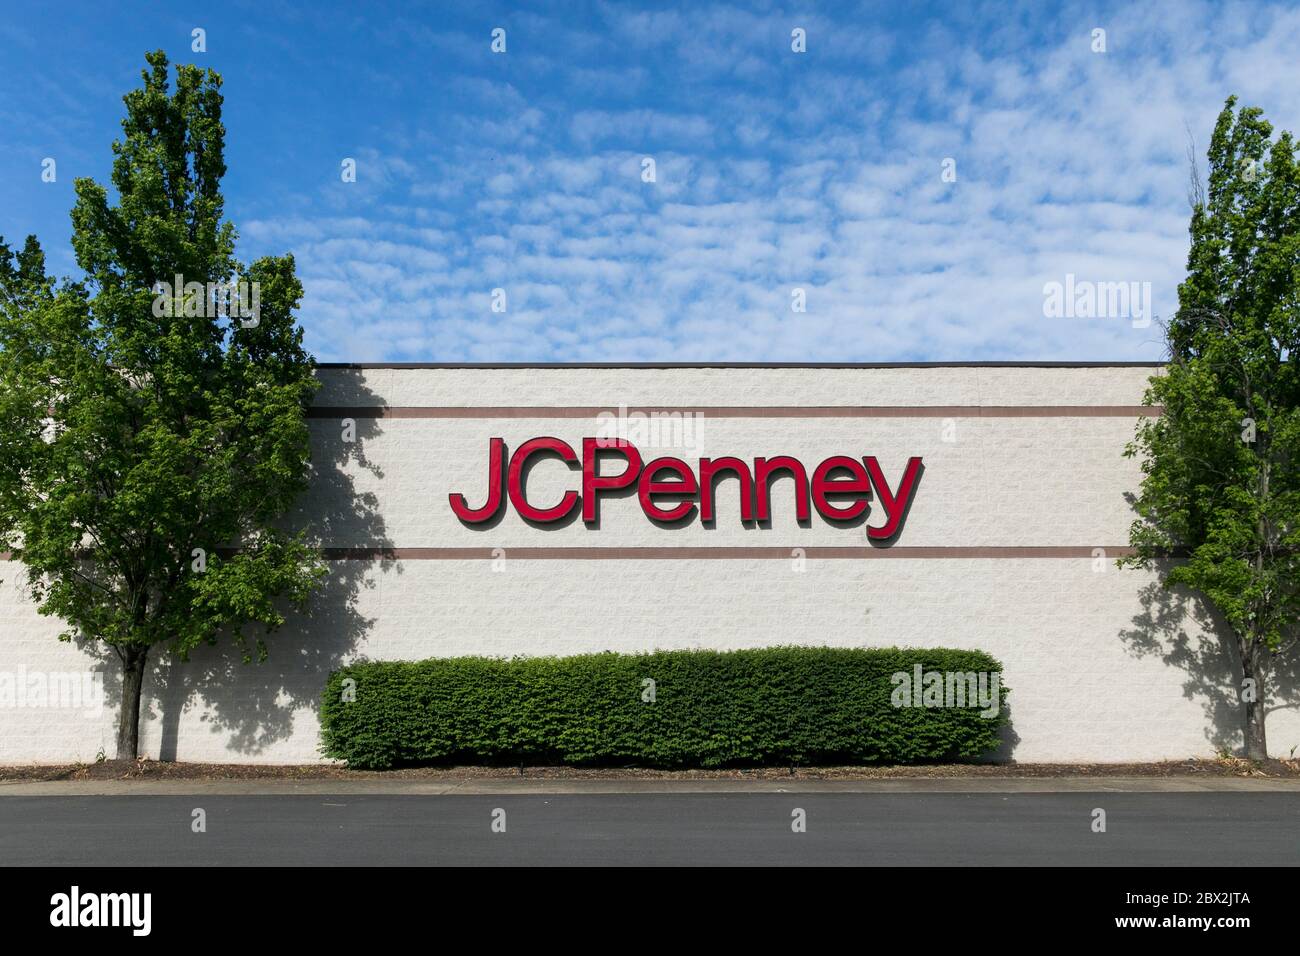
(1209, 660)
(252, 705)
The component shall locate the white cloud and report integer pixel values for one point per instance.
(772, 174)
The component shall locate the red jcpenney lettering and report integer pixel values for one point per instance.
(840, 489)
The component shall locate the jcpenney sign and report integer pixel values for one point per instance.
(671, 491)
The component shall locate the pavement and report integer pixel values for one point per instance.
(627, 785)
(503, 821)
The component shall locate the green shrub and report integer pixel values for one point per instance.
(777, 705)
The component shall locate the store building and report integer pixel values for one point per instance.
(500, 510)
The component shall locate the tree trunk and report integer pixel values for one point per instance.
(1256, 742)
(128, 718)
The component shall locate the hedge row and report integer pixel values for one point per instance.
(776, 705)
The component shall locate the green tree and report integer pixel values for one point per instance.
(1219, 506)
(152, 440)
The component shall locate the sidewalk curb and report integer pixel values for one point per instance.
(524, 786)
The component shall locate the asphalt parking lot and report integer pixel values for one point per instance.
(654, 828)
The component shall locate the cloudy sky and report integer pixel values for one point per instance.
(774, 170)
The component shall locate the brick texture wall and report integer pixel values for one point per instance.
(1102, 665)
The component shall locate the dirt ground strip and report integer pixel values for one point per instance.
(166, 770)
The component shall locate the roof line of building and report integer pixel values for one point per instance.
(826, 365)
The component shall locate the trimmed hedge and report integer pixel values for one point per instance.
(778, 705)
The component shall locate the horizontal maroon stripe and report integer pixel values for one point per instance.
(769, 552)
(740, 411)
(711, 553)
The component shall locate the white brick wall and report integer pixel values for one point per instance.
(1091, 678)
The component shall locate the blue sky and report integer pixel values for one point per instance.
(775, 170)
